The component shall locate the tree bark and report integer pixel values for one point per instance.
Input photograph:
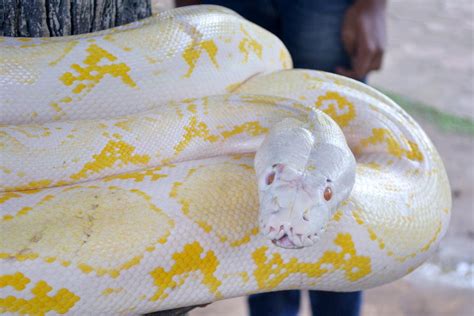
(47, 18)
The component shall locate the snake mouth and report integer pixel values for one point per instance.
(285, 242)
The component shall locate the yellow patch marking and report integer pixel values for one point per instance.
(193, 52)
(31, 187)
(259, 100)
(110, 290)
(114, 273)
(232, 87)
(22, 211)
(89, 75)
(337, 216)
(56, 106)
(113, 152)
(249, 44)
(85, 217)
(195, 129)
(331, 103)
(191, 259)
(310, 167)
(32, 131)
(5, 170)
(5, 196)
(312, 82)
(192, 108)
(341, 81)
(252, 128)
(205, 195)
(125, 125)
(243, 275)
(357, 215)
(68, 47)
(41, 303)
(245, 239)
(433, 239)
(373, 165)
(151, 174)
(285, 59)
(66, 100)
(17, 281)
(271, 271)
(382, 135)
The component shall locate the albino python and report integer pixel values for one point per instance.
(128, 180)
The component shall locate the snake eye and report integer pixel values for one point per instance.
(327, 193)
(270, 178)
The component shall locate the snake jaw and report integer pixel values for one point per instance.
(288, 231)
(285, 242)
(291, 215)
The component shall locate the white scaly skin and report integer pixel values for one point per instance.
(144, 64)
(109, 214)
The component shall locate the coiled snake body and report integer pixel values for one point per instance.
(128, 180)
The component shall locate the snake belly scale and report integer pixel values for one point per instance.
(128, 177)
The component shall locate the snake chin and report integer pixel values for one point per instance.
(296, 242)
(291, 235)
(285, 242)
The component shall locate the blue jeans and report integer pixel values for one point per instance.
(311, 30)
(286, 303)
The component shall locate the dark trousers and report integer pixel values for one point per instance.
(287, 303)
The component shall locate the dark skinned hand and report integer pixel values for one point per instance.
(363, 37)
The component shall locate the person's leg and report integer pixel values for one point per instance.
(335, 304)
(311, 29)
(283, 303)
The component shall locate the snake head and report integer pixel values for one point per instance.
(296, 204)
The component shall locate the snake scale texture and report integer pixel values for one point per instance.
(128, 180)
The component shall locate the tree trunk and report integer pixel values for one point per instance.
(47, 18)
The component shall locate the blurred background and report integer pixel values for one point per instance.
(429, 70)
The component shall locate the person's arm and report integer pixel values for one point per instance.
(363, 36)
